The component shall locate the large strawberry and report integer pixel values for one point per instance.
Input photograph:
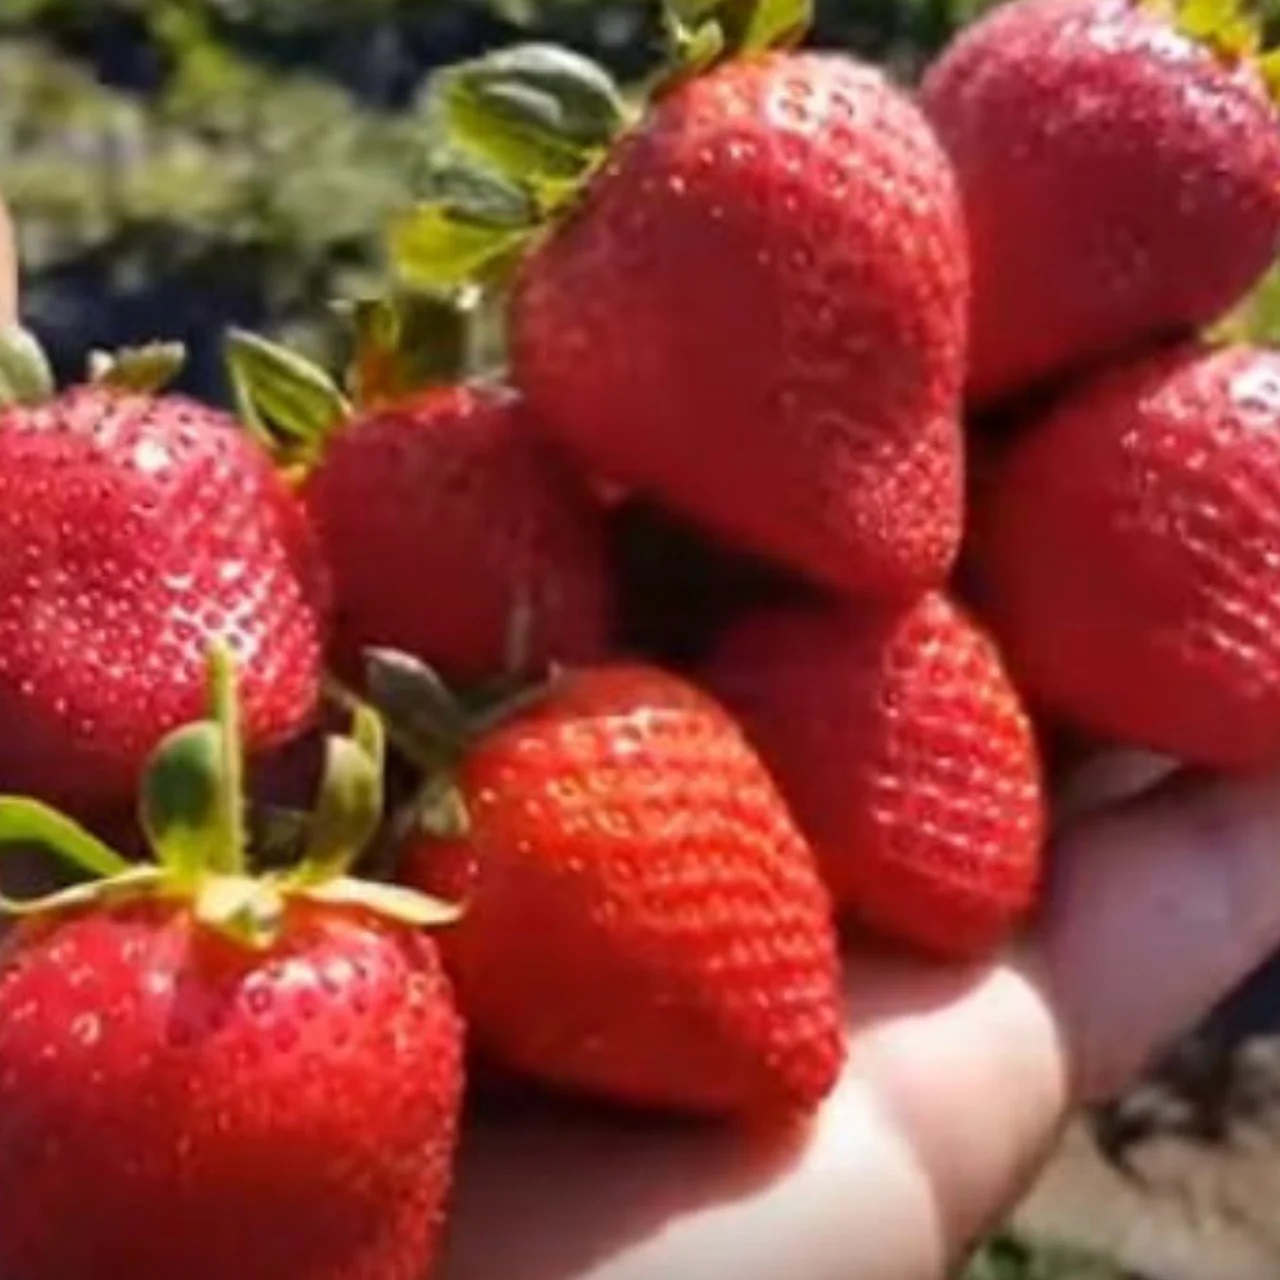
(1120, 163)
(753, 310)
(644, 923)
(1130, 551)
(138, 528)
(903, 746)
(444, 515)
(206, 1075)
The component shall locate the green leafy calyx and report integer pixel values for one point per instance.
(703, 33)
(530, 125)
(193, 811)
(289, 404)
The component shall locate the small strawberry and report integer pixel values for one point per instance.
(204, 1074)
(644, 923)
(138, 529)
(904, 749)
(753, 308)
(1130, 550)
(443, 514)
(1120, 163)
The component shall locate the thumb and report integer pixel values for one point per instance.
(1159, 907)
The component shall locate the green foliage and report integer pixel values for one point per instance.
(1010, 1257)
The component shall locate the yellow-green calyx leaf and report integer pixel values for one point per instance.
(193, 810)
(529, 125)
(705, 32)
(148, 368)
(290, 404)
(408, 340)
(1232, 29)
(25, 375)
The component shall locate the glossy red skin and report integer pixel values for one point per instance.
(1130, 555)
(134, 532)
(1120, 180)
(173, 1106)
(645, 923)
(757, 315)
(905, 752)
(438, 513)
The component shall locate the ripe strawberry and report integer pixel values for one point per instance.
(754, 310)
(1130, 550)
(1121, 178)
(903, 747)
(138, 528)
(442, 515)
(644, 922)
(213, 1076)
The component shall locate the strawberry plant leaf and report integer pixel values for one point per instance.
(350, 806)
(707, 31)
(148, 368)
(437, 246)
(133, 881)
(388, 900)
(290, 404)
(181, 801)
(25, 374)
(192, 803)
(1225, 25)
(409, 340)
(539, 114)
(24, 821)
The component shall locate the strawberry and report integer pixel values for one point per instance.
(1129, 554)
(1120, 164)
(138, 529)
(902, 745)
(644, 922)
(211, 1075)
(444, 517)
(753, 309)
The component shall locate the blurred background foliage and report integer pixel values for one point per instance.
(174, 165)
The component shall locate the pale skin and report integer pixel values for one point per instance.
(957, 1083)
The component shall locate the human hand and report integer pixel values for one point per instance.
(957, 1084)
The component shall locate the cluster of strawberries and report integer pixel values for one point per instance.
(649, 644)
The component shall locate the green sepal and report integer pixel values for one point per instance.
(1226, 26)
(1268, 65)
(349, 809)
(182, 804)
(705, 32)
(406, 906)
(415, 699)
(249, 909)
(25, 374)
(290, 404)
(146, 369)
(409, 340)
(135, 881)
(538, 114)
(25, 821)
(439, 245)
(440, 809)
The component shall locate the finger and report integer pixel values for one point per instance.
(1156, 910)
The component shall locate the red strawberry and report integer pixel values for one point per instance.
(138, 528)
(211, 1076)
(644, 922)
(753, 311)
(1121, 179)
(442, 515)
(1130, 555)
(912, 767)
